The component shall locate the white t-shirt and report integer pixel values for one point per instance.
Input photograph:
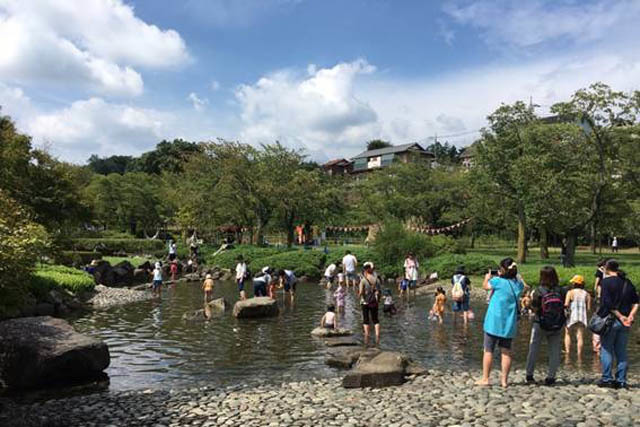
(266, 279)
(388, 300)
(172, 248)
(157, 274)
(349, 262)
(340, 277)
(411, 269)
(330, 271)
(241, 269)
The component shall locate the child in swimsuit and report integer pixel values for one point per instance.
(207, 286)
(329, 320)
(438, 305)
(340, 295)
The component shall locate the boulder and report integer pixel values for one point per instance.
(384, 369)
(341, 342)
(256, 307)
(123, 273)
(145, 266)
(324, 332)
(219, 304)
(45, 309)
(103, 273)
(141, 275)
(42, 351)
(346, 357)
(192, 277)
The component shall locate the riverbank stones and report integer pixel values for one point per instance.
(255, 308)
(382, 369)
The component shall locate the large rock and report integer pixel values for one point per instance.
(341, 342)
(103, 274)
(346, 357)
(41, 351)
(219, 304)
(256, 307)
(123, 272)
(384, 369)
(324, 332)
(215, 306)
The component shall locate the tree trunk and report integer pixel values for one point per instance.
(544, 243)
(290, 231)
(571, 250)
(473, 240)
(594, 236)
(522, 236)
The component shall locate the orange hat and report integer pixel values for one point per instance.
(577, 279)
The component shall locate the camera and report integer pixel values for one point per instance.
(494, 272)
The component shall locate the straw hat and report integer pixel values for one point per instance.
(577, 280)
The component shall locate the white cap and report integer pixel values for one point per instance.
(265, 270)
(158, 264)
(368, 264)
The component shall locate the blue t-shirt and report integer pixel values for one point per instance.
(501, 318)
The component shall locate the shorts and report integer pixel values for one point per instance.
(412, 284)
(461, 305)
(240, 283)
(490, 342)
(404, 285)
(290, 287)
(172, 257)
(157, 284)
(352, 275)
(370, 314)
(389, 308)
(259, 289)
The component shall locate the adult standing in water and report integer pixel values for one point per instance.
(501, 320)
(349, 264)
(369, 292)
(547, 302)
(578, 302)
(620, 299)
(241, 276)
(411, 272)
(288, 281)
(261, 282)
(173, 250)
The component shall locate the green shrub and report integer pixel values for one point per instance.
(114, 246)
(229, 258)
(47, 277)
(76, 258)
(394, 241)
(308, 263)
(445, 265)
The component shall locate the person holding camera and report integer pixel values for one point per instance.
(501, 320)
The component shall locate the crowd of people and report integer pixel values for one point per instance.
(559, 315)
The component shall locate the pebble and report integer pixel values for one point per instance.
(106, 297)
(438, 399)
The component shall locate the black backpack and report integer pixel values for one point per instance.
(552, 315)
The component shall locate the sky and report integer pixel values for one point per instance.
(113, 77)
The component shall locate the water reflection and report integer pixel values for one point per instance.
(151, 346)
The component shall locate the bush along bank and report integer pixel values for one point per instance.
(119, 246)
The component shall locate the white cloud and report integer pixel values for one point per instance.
(317, 111)
(92, 44)
(94, 126)
(215, 85)
(198, 103)
(521, 24)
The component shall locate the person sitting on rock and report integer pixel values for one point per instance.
(329, 320)
(207, 286)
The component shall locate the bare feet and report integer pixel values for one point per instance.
(483, 383)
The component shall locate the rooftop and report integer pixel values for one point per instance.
(391, 150)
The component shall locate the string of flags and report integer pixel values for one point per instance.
(426, 230)
(432, 230)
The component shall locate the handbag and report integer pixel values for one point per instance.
(600, 325)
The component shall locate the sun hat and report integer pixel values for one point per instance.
(208, 276)
(578, 279)
(368, 264)
(266, 269)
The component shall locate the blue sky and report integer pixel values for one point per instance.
(117, 76)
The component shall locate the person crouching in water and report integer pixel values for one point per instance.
(261, 282)
(288, 281)
(329, 320)
(389, 307)
(438, 305)
(207, 287)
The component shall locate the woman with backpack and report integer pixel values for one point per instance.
(460, 292)
(578, 302)
(501, 320)
(547, 302)
(620, 300)
(369, 293)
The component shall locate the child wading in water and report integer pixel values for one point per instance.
(174, 270)
(340, 295)
(329, 320)
(389, 307)
(438, 305)
(207, 286)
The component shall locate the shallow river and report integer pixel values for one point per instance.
(152, 347)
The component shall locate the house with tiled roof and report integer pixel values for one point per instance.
(338, 167)
(383, 157)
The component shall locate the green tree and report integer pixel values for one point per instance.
(376, 144)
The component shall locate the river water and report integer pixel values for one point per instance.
(152, 347)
